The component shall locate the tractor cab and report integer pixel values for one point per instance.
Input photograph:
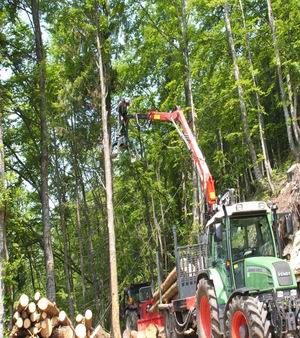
(132, 297)
(138, 301)
(243, 249)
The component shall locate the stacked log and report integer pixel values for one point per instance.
(168, 290)
(84, 328)
(42, 318)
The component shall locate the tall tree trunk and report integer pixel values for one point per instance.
(62, 214)
(3, 243)
(222, 151)
(145, 196)
(159, 242)
(79, 236)
(292, 145)
(79, 231)
(243, 109)
(293, 108)
(261, 123)
(91, 251)
(198, 204)
(109, 191)
(41, 63)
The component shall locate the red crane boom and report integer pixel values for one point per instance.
(179, 121)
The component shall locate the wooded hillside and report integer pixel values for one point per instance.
(233, 67)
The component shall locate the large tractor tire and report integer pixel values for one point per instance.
(131, 318)
(247, 318)
(208, 322)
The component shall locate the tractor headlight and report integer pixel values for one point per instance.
(294, 292)
(239, 207)
(279, 294)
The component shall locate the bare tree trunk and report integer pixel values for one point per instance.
(222, 150)
(198, 211)
(109, 191)
(91, 251)
(78, 214)
(62, 202)
(292, 145)
(159, 243)
(164, 236)
(3, 242)
(259, 107)
(41, 60)
(293, 108)
(145, 195)
(79, 236)
(243, 109)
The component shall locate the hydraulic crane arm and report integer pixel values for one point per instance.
(179, 121)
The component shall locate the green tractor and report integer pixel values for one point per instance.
(255, 289)
(243, 288)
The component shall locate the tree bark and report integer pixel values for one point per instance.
(292, 145)
(259, 106)
(145, 196)
(293, 108)
(109, 191)
(222, 151)
(41, 64)
(61, 204)
(91, 251)
(79, 236)
(3, 242)
(257, 172)
(159, 243)
(78, 213)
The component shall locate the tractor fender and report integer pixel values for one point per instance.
(203, 274)
(213, 276)
(238, 292)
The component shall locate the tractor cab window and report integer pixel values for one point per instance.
(251, 236)
(218, 254)
(145, 293)
(217, 246)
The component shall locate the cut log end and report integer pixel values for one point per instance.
(79, 318)
(80, 331)
(37, 296)
(31, 307)
(50, 308)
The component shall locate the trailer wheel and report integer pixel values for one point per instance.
(208, 323)
(131, 319)
(247, 318)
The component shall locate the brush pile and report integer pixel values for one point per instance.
(42, 318)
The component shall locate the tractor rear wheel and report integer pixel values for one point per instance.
(208, 323)
(247, 318)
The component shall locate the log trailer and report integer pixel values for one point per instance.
(233, 282)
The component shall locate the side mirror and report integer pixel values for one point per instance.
(218, 232)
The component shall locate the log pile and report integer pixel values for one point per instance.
(42, 318)
(168, 290)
